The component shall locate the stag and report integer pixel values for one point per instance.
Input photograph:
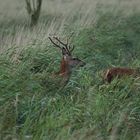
(68, 62)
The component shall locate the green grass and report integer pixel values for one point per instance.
(33, 106)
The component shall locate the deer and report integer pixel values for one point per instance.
(68, 62)
(118, 72)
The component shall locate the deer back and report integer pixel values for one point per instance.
(118, 72)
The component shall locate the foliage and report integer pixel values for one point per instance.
(34, 106)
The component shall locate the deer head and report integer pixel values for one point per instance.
(68, 62)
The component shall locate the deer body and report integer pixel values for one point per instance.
(118, 72)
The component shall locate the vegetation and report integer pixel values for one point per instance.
(33, 106)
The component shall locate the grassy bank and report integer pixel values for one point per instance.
(32, 103)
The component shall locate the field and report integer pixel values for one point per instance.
(33, 104)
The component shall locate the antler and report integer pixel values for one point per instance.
(54, 43)
(69, 48)
(66, 45)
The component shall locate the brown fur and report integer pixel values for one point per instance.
(118, 72)
(63, 68)
(64, 72)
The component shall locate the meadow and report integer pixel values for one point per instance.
(34, 106)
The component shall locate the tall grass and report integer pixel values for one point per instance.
(32, 103)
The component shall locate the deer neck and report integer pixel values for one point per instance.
(64, 68)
